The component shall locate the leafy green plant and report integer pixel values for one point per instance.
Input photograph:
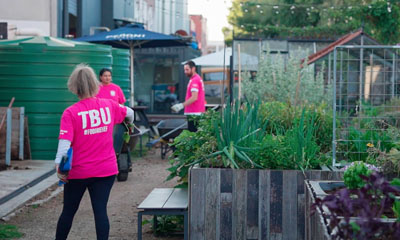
(238, 132)
(301, 141)
(353, 172)
(273, 153)
(396, 209)
(8, 231)
(361, 140)
(190, 147)
(166, 224)
(279, 115)
(297, 145)
(396, 205)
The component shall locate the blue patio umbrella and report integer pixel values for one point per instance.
(133, 36)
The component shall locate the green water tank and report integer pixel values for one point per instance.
(120, 70)
(35, 71)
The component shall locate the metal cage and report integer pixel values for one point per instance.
(366, 104)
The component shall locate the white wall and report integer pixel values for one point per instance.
(170, 16)
(37, 14)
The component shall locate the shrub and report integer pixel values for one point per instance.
(286, 80)
(353, 172)
(280, 118)
(296, 145)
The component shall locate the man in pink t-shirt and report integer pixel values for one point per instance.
(195, 103)
(108, 89)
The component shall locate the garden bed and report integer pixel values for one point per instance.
(249, 204)
(321, 223)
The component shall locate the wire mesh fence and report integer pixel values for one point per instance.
(366, 101)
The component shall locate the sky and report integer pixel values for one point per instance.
(216, 12)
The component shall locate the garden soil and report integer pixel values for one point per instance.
(38, 222)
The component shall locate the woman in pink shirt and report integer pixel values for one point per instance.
(108, 89)
(87, 127)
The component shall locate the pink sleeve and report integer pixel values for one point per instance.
(195, 86)
(119, 112)
(66, 126)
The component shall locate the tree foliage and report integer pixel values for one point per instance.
(316, 18)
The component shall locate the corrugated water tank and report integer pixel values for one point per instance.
(35, 71)
(120, 70)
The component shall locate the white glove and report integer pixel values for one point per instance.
(177, 107)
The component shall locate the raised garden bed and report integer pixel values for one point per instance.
(249, 204)
(318, 224)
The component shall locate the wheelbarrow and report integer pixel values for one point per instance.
(168, 130)
(123, 149)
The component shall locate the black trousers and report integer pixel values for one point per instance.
(99, 190)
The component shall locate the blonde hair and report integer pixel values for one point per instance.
(83, 82)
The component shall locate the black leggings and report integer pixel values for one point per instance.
(99, 190)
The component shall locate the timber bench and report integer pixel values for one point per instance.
(164, 201)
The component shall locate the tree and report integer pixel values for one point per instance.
(316, 18)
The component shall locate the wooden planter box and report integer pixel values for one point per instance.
(249, 204)
(317, 224)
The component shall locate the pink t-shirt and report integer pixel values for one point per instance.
(111, 91)
(88, 124)
(195, 85)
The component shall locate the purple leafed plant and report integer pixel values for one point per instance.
(368, 206)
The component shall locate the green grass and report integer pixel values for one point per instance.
(8, 231)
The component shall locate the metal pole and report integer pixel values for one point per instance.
(329, 68)
(334, 109)
(131, 99)
(341, 81)
(347, 80)
(370, 46)
(239, 75)
(231, 79)
(361, 73)
(394, 73)
(223, 80)
(371, 63)
(232, 66)
(21, 132)
(8, 137)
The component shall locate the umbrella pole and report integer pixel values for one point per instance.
(131, 99)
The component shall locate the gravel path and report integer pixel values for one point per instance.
(39, 222)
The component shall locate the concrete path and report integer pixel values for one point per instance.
(23, 181)
(38, 221)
